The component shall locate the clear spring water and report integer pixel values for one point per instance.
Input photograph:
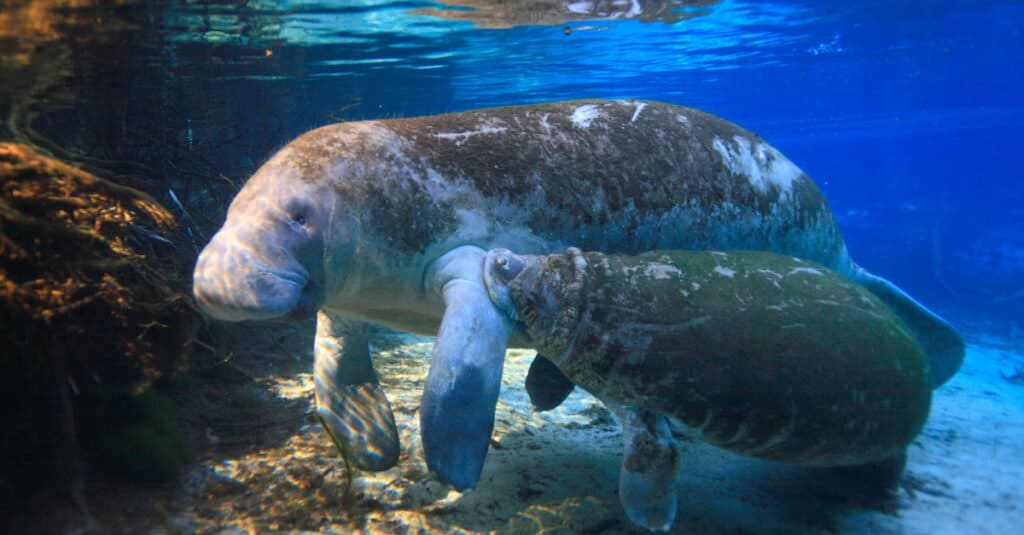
(908, 114)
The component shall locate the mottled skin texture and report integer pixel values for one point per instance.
(641, 184)
(387, 222)
(762, 354)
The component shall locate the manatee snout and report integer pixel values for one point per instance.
(501, 266)
(235, 281)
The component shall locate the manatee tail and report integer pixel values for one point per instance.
(350, 404)
(940, 341)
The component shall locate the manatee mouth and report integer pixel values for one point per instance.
(265, 296)
(287, 296)
(307, 304)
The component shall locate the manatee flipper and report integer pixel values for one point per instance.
(650, 464)
(350, 404)
(461, 390)
(940, 341)
(546, 384)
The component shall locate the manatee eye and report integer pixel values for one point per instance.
(298, 210)
(507, 265)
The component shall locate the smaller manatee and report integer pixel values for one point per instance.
(761, 354)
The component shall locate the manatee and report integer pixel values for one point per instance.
(758, 353)
(387, 222)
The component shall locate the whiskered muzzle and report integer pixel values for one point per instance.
(232, 283)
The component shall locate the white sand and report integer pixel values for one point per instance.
(557, 471)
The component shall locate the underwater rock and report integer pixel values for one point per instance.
(1014, 374)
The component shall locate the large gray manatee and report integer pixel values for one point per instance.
(388, 222)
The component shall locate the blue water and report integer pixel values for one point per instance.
(908, 114)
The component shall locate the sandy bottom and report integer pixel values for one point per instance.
(556, 472)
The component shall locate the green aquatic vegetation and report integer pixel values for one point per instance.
(141, 442)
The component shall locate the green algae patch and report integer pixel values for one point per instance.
(136, 438)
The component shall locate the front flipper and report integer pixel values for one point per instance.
(546, 384)
(940, 341)
(461, 391)
(350, 404)
(650, 464)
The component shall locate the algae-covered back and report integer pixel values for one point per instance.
(762, 354)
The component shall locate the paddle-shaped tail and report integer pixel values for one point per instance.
(940, 341)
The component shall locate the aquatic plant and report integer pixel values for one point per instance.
(135, 437)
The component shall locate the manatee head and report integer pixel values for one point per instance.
(501, 267)
(282, 233)
(543, 293)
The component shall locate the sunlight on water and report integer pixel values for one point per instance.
(729, 35)
(266, 23)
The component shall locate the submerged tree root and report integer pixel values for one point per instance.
(93, 305)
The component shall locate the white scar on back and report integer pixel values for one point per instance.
(584, 115)
(662, 271)
(760, 163)
(639, 107)
(812, 271)
(724, 271)
(460, 137)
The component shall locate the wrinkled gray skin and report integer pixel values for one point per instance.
(387, 222)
